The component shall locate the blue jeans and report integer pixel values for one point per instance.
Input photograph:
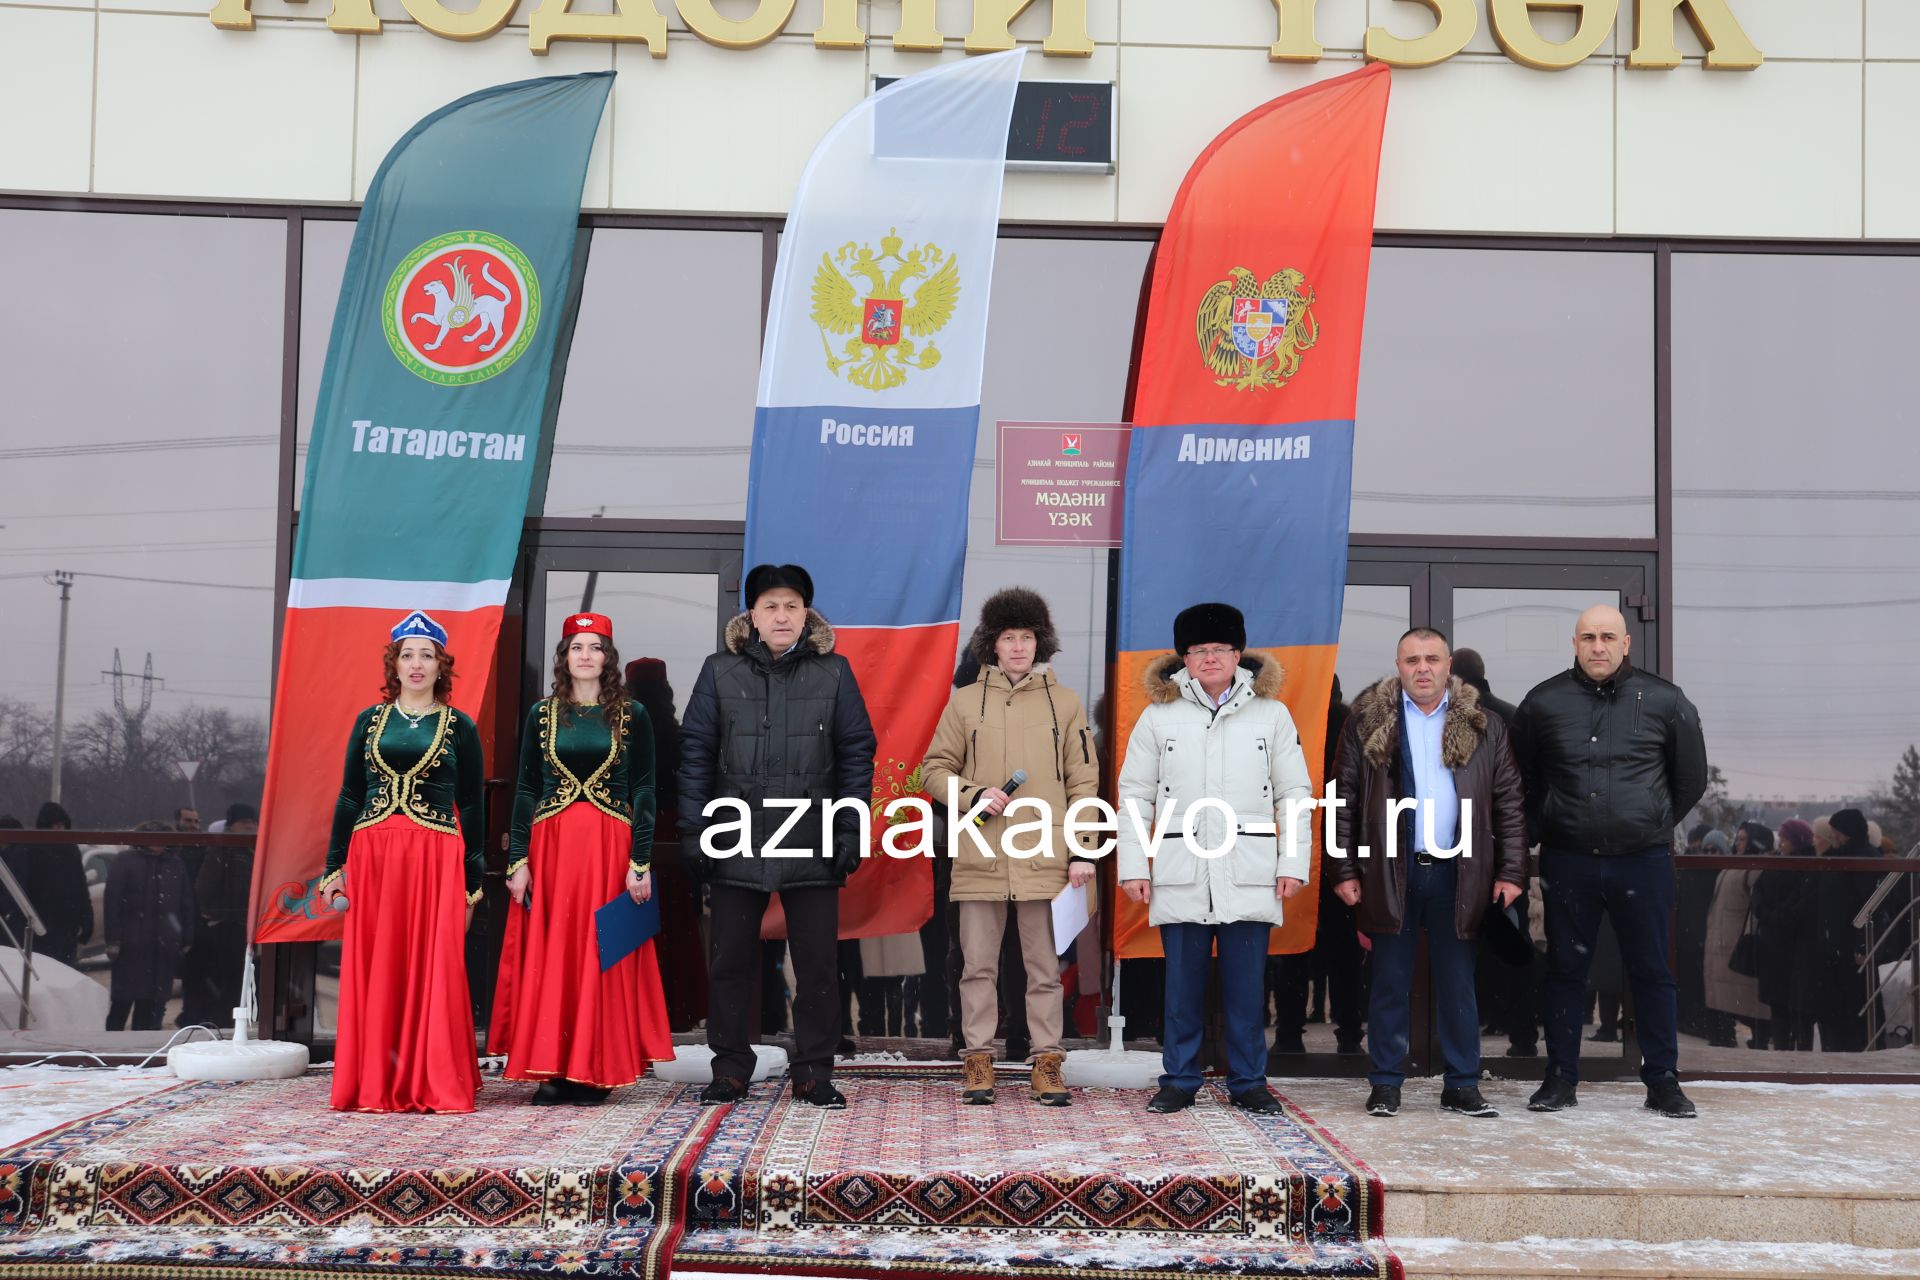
(1243, 996)
(1635, 890)
(1430, 905)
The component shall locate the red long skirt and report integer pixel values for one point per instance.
(554, 1011)
(406, 1019)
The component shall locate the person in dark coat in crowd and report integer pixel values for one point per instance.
(1781, 924)
(55, 882)
(1693, 898)
(1509, 993)
(1838, 948)
(1613, 758)
(776, 716)
(211, 975)
(683, 954)
(149, 922)
(1734, 994)
(1472, 670)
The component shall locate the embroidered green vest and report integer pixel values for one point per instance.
(570, 754)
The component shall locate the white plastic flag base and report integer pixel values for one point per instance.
(693, 1064)
(241, 1058)
(1112, 1069)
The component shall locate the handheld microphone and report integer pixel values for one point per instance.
(1013, 785)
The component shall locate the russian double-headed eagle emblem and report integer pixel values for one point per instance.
(1251, 334)
(881, 299)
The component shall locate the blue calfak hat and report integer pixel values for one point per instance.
(420, 624)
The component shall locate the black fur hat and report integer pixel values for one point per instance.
(1008, 609)
(1209, 624)
(763, 578)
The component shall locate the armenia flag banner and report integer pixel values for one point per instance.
(869, 397)
(1240, 473)
(430, 434)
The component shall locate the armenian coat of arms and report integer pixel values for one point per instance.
(1252, 333)
(890, 302)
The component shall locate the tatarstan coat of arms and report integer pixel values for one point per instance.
(891, 302)
(1252, 332)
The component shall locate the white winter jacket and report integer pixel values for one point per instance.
(1247, 755)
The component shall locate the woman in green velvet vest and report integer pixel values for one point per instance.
(582, 835)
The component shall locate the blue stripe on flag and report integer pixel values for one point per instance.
(872, 502)
(1252, 516)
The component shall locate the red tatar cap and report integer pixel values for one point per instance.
(588, 624)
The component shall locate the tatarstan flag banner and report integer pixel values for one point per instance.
(1240, 471)
(433, 422)
(869, 397)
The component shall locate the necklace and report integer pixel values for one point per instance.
(413, 718)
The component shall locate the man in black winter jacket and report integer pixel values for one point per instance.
(776, 738)
(1613, 758)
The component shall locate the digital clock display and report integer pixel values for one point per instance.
(1059, 125)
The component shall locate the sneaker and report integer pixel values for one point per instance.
(1169, 1100)
(723, 1089)
(1664, 1096)
(551, 1093)
(1555, 1095)
(819, 1093)
(1260, 1101)
(1384, 1100)
(976, 1088)
(1467, 1102)
(1049, 1086)
(588, 1095)
(1348, 1047)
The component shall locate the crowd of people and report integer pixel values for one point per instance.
(1568, 803)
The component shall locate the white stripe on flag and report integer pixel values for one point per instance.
(380, 593)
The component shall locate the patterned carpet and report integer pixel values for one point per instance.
(262, 1179)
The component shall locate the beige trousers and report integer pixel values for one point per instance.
(981, 927)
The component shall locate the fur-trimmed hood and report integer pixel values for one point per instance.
(1376, 716)
(1014, 607)
(1268, 676)
(818, 636)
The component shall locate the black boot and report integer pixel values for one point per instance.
(1664, 1096)
(1467, 1102)
(1555, 1095)
(551, 1093)
(1384, 1100)
(588, 1095)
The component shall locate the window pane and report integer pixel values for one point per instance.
(1506, 393)
(1524, 634)
(1371, 624)
(143, 382)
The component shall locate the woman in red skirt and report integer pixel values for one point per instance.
(408, 821)
(582, 834)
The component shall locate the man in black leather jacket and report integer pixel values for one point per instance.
(1613, 758)
(775, 732)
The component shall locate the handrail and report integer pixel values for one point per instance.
(36, 928)
(1879, 896)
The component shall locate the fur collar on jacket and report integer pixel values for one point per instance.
(818, 636)
(1376, 717)
(1268, 676)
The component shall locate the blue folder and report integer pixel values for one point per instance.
(623, 926)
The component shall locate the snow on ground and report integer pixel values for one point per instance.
(36, 1099)
(1731, 1258)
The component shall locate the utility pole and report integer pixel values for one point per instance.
(64, 581)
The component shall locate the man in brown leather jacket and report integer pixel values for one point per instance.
(1421, 735)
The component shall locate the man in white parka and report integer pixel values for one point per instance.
(1214, 731)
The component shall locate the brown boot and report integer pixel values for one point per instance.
(977, 1088)
(1049, 1088)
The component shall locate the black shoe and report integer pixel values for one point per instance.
(1523, 1051)
(723, 1089)
(1467, 1102)
(846, 1048)
(1260, 1101)
(1349, 1047)
(1169, 1100)
(820, 1093)
(551, 1093)
(1555, 1095)
(1664, 1096)
(1605, 1035)
(1384, 1100)
(1019, 1050)
(1289, 1044)
(588, 1095)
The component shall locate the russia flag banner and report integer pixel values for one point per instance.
(1240, 472)
(868, 402)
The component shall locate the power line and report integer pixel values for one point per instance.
(116, 514)
(164, 445)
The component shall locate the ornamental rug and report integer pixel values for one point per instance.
(909, 1180)
(262, 1178)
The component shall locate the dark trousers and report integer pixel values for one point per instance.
(1336, 953)
(146, 1014)
(1635, 892)
(1243, 991)
(1431, 890)
(1510, 993)
(813, 927)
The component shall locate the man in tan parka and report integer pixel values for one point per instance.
(1015, 716)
